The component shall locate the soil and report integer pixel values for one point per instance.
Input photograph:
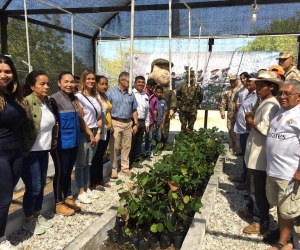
(107, 245)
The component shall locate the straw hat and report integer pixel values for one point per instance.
(267, 76)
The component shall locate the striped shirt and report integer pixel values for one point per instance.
(123, 104)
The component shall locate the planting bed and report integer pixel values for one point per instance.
(159, 206)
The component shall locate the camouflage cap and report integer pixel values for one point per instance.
(160, 61)
(285, 54)
(192, 72)
(232, 77)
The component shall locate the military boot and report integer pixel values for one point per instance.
(61, 208)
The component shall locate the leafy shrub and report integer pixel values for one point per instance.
(167, 197)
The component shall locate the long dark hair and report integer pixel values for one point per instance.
(31, 80)
(14, 87)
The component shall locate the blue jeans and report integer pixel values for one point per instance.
(82, 171)
(11, 163)
(243, 142)
(34, 176)
(157, 134)
(149, 137)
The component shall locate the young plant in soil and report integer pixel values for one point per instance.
(161, 203)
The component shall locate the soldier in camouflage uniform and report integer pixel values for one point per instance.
(189, 97)
(171, 100)
(286, 60)
(160, 73)
(228, 104)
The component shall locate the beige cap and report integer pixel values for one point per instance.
(232, 77)
(285, 54)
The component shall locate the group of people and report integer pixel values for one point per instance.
(76, 124)
(263, 124)
(73, 126)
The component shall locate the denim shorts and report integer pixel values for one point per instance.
(84, 147)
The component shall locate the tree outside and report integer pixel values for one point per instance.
(277, 43)
(48, 50)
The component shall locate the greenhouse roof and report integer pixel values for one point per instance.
(228, 18)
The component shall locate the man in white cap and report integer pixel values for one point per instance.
(286, 60)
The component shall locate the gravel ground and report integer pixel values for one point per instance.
(225, 229)
(67, 228)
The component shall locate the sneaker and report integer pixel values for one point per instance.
(272, 209)
(126, 172)
(69, 202)
(33, 226)
(63, 209)
(44, 222)
(5, 244)
(91, 194)
(83, 198)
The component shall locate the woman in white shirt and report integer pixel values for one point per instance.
(92, 108)
(37, 141)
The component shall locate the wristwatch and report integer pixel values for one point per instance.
(135, 124)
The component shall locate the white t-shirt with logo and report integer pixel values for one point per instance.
(283, 144)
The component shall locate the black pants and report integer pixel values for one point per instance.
(11, 164)
(96, 169)
(136, 142)
(64, 161)
(256, 186)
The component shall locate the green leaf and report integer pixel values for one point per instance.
(186, 199)
(133, 205)
(140, 221)
(174, 195)
(144, 181)
(170, 226)
(153, 228)
(181, 207)
(153, 142)
(122, 200)
(119, 182)
(184, 171)
(157, 214)
(121, 210)
(160, 227)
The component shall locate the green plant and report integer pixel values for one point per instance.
(166, 198)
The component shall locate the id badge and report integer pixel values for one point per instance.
(289, 188)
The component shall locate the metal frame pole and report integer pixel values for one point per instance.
(72, 41)
(27, 38)
(170, 43)
(131, 47)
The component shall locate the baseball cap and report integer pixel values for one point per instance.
(278, 69)
(251, 75)
(285, 54)
(232, 77)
